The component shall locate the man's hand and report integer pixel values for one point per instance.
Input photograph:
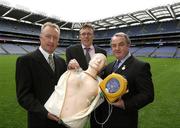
(52, 117)
(73, 64)
(119, 103)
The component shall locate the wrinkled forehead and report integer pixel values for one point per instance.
(86, 30)
(116, 39)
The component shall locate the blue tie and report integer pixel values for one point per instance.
(116, 65)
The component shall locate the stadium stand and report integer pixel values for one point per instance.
(165, 52)
(154, 32)
(134, 49)
(145, 51)
(60, 50)
(2, 51)
(28, 48)
(177, 55)
(13, 49)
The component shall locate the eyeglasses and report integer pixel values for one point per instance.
(84, 34)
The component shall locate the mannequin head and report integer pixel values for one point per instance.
(98, 61)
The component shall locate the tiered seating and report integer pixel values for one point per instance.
(60, 50)
(165, 52)
(150, 29)
(145, 51)
(134, 30)
(17, 27)
(177, 53)
(109, 51)
(134, 49)
(169, 26)
(13, 49)
(29, 48)
(2, 51)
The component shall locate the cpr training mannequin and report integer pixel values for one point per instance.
(77, 94)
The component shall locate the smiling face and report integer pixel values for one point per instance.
(49, 38)
(120, 46)
(98, 61)
(86, 35)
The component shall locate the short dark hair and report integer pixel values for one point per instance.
(87, 25)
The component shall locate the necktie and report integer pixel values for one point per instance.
(51, 62)
(88, 58)
(116, 65)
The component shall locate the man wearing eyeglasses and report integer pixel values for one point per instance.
(85, 50)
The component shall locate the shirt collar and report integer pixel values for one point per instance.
(45, 54)
(126, 57)
(91, 47)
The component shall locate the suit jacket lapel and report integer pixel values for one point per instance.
(125, 65)
(57, 66)
(95, 49)
(110, 67)
(80, 52)
(40, 58)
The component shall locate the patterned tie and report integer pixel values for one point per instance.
(88, 57)
(116, 65)
(51, 62)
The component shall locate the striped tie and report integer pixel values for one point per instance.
(51, 62)
(88, 57)
(116, 65)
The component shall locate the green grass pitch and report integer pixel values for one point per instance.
(164, 112)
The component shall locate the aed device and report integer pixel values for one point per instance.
(113, 87)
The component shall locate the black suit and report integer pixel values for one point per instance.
(141, 92)
(76, 52)
(35, 82)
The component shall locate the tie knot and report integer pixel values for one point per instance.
(87, 49)
(118, 62)
(116, 65)
(50, 56)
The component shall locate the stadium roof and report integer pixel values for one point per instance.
(152, 15)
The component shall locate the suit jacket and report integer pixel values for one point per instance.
(76, 52)
(141, 93)
(35, 81)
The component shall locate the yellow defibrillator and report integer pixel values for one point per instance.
(113, 87)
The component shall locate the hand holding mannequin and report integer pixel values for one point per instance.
(81, 93)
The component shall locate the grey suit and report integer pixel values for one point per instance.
(35, 81)
(141, 93)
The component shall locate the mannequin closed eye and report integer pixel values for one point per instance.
(99, 60)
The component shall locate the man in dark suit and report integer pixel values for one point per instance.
(79, 52)
(124, 112)
(36, 77)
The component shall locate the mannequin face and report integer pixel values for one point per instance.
(98, 61)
